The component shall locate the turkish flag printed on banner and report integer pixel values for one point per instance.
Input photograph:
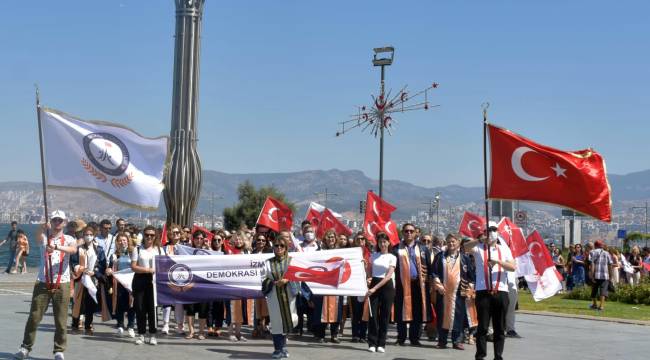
(275, 215)
(472, 225)
(377, 218)
(539, 252)
(326, 273)
(208, 234)
(163, 235)
(329, 221)
(524, 170)
(514, 237)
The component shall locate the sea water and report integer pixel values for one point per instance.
(34, 248)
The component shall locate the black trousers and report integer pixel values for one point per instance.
(201, 308)
(320, 329)
(143, 303)
(89, 308)
(381, 303)
(216, 314)
(494, 307)
(415, 325)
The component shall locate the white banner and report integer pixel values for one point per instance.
(104, 157)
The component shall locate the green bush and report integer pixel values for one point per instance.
(624, 293)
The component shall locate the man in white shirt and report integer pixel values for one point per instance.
(52, 285)
(309, 242)
(493, 260)
(105, 238)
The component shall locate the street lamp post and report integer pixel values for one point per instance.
(381, 106)
(437, 201)
(325, 194)
(646, 218)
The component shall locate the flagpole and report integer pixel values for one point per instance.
(42, 150)
(485, 106)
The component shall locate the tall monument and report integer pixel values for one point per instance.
(183, 178)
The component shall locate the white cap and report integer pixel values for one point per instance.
(492, 223)
(58, 214)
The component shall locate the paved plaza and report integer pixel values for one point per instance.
(545, 337)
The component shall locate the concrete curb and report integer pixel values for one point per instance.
(585, 317)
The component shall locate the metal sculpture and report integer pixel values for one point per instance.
(183, 178)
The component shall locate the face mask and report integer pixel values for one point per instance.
(309, 236)
(493, 236)
(88, 238)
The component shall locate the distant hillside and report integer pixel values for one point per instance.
(346, 189)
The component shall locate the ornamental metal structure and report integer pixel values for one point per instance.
(183, 177)
(377, 116)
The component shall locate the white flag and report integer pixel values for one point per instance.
(105, 157)
(545, 286)
(125, 277)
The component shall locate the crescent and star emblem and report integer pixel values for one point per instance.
(519, 170)
(270, 214)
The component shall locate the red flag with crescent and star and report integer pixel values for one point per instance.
(326, 273)
(313, 216)
(514, 237)
(329, 221)
(377, 218)
(524, 170)
(472, 225)
(275, 215)
(539, 252)
(208, 235)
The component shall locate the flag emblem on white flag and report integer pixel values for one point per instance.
(104, 157)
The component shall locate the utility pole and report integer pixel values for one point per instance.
(212, 200)
(434, 204)
(646, 218)
(325, 194)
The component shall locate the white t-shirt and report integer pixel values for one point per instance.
(145, 258)
(479, 262)
(380, 264)
(56, 257)
(309, 247)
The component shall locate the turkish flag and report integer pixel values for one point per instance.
(514, 237)
(313, 216)
(646, 266)
(329, 221)
(377, 218)
(524, 170)
(539, 252)
(163, 235)
(208, 234)
(326, 273)
(472, 225)
(275, 215)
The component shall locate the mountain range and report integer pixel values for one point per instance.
(345, 189)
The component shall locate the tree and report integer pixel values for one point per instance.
(251, 201)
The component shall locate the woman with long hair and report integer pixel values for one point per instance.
(261, 320)
(281, 295)
(636, 261)
(381, 292)
(142, 264)
(240, 310)
(173, 239)
(615, 269)
(122, 299)
(217, 312)
(359, 324)
(578, 266)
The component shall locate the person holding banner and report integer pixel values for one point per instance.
(412, 300)
(198, 242)
(52, 285)
(173, 237)
(261, 319)
(280, 295)
(142, 264)
(240, 310)
(122, 299)
(381, 293)
(328, 309)
(217, 308)
(492, 260)
(359, 325)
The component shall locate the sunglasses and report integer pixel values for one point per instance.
(56, 221)
(217, 239)
(279, 246)
(409, 231)
(149, 235)
(176, 232)
(199, 238)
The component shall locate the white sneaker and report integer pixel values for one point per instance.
(242, 339)
(119, 331)
(58, 356)
(152, 340)
(232, 338)
(21, 354)
(380, 349)
(131, 333)
(165, 329)
(371, 349)
(139, 340)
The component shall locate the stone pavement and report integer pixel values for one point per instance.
(544, 338)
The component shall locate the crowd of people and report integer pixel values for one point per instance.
(453, 290)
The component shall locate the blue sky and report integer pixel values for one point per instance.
(278, 76)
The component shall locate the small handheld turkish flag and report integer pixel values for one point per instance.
(524, 170)
(208, 234)
(377, 218)
(326, 273)
(275, 215)
(539, 253)
(472, 225)
(313, 216)
(514, 237)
